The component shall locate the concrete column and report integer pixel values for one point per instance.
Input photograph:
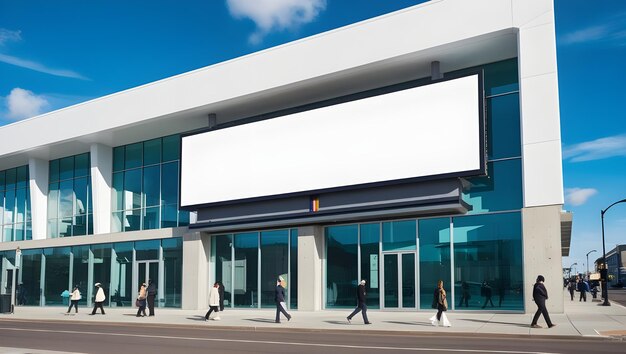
(542, 255)
(310, 255)
(101, 187)
(196, 253)
(38, 173)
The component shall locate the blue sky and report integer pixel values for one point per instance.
(55, 54)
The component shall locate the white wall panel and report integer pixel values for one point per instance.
(422, 131)
(543, 175)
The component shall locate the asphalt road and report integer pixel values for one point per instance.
(134, 339)
(617, 295)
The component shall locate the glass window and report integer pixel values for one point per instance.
(118, 158)
(370, 239)
(21, 176)
(147, 250)
(151, 218)
(501, 77)
(499, 191)
(57, 275)
(66, 198)
(169, 186)
(245, 286)
(9, 206)
(80, 271)
(293, 270)
(66, 168)
(80, 192)
(54, 171)
(11, 177)
(132, 189)
(102, 268)
(434, 257)
(503, 127)
(399, 235)
(1, 207)
(133, 156)
(2, 180)
(169, 214)
(488, 262)
(81, 165)
(29, 290)
(173, 263)
(171, 148)
(274, 263)
(221, 259)
(151, 186)
(152, 152)
(132, 220)
(122, 275)
(20, 205)
(118, 191)
(341, 266)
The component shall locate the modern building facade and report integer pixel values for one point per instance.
(412, 147)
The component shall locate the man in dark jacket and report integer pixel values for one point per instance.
(152, 291)
(361, 296)
(540, 295)
(220, 290)
(582, 287)
(279, 297)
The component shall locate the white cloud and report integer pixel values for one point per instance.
(24, 104)
(271, 15)
(598, 149)
(578, 196)
(612, 30)
(9, 36)
(40, 67)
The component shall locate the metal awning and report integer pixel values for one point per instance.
(566, 232)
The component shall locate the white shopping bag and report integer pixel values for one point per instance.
(445, 321)
(433, 320)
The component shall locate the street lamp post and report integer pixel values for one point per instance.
(605, 290)
(588, 260)
(570, 269)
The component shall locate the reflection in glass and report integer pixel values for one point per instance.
(500, 191)
(80, 271)
(503, 127)
(147, 250)
(391, 281)
(399, 235)
(434, 256)
(122, 275)
(173, 278)
(57, 274)
(341, 270)
(245, 282)
(293, 270)
(408, 280)
(370, 239)
(29, 291)
(221, 259)
(102, 268)
(274, 263)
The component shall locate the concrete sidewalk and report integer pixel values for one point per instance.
(580, 319)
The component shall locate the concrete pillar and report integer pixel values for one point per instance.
(310, 255)
(101, 187)
(38, 173)
(196, 253)
(542, 255)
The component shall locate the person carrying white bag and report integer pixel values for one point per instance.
(441, 304)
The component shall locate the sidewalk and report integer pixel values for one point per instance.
(580, 319)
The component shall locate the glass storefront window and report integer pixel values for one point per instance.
(488, 262)
(399, 235)
(57, 275)
(15, 218)
(274, 263)
(503, 127)
(341, 266)
(370, 240)
(102, 268)
(30, 288)
(173, 278)
(245, 281)
(501, 77)
(293, 270)
(501, 190)
(147, 250)
(122, 275)
(434, 257)
(221, 259)
(80, 272)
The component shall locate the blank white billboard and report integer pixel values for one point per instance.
(418, 132)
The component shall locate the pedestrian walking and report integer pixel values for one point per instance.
(583, 287)
(74, 298)
(99, 300)
(540, 295)
(440, 302)
(151, 291)
(465, 294)
(141, 301)
(486, 291)
(361, 297)
(220, 290)
(279, 297)
(571, 287)
(214, 302)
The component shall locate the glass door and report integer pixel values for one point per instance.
(399, 280)
(145, 271)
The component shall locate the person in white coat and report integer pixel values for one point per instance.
(214, 302)
(99, 299)
(74, 298)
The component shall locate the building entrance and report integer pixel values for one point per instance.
(144, 272)
(399, 281)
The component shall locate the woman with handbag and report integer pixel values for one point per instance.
(141, 301)
(440, 302)
(74, 298)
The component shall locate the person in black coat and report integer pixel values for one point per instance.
(361, 296)
(220, 290)
(152, 291)
(540, 295)
(279, 297)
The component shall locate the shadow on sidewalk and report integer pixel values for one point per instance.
(496, 322)
(264, 320)
(196, 318)
(344, 322)
(410, 323)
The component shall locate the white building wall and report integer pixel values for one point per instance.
(101, 187)
(38, 171)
